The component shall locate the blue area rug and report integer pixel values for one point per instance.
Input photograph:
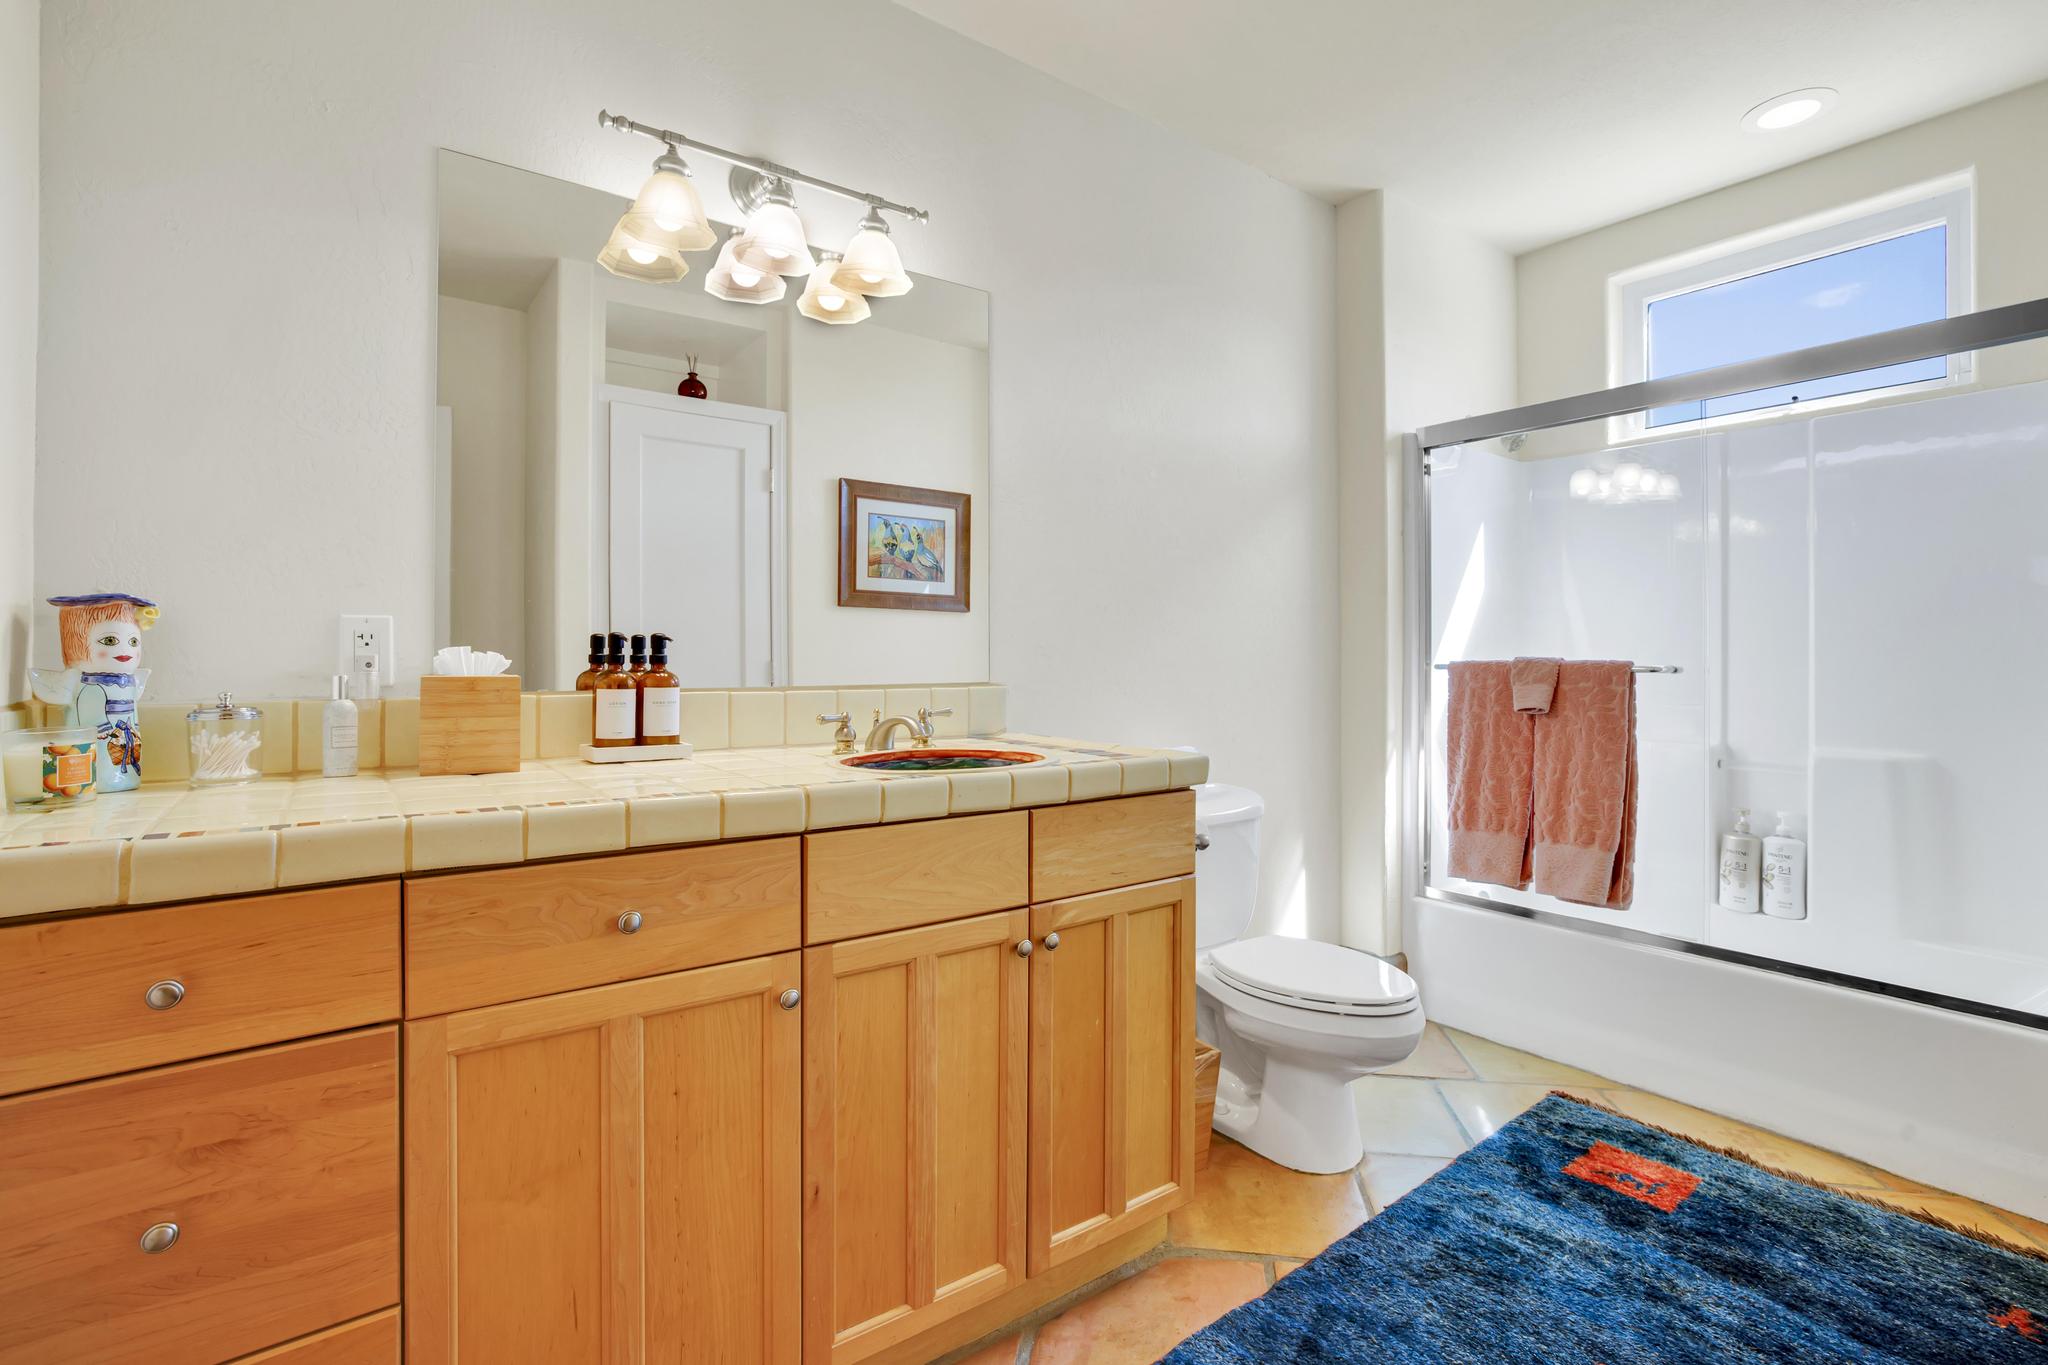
(1575, 1236)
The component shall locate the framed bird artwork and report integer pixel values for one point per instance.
(902, 548)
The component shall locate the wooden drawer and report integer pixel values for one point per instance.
(74, 993)
(1099, 845)
(870, 881)
(279, 1168)
(366, 1341)
(483, 938)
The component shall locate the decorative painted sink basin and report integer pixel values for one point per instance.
(941, 760)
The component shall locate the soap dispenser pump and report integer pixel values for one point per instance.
(616, 696)
(1784, 886)
(1741, 872)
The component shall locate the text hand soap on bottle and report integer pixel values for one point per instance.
(1741, 869)
(661, 699)
(616, 695)
(1784, 888)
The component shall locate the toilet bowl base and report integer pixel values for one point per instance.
(1297, 1118)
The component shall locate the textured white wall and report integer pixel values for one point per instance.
(239, 209)
(19, 20)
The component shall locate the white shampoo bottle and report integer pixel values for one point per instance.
(1784, 871)
(338, 733)
(1741, 870)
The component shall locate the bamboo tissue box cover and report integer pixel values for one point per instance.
(469, 724)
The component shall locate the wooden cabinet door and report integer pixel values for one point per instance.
(609, 1176)
(1112, 1064)
(914, 1079)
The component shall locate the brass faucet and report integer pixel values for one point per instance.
(882, 738)
(842, 738)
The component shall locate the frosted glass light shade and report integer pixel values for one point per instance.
(824, 301)
(631, 258)
(736, 282)
(668, 212)
(774, 240)
(871, 265)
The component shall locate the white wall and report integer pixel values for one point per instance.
(1426, 322)
(20, 21)
(240, 206)
(1562, 288)
(888, 406)
(483, 369)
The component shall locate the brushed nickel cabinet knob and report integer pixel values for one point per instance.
(164, 994)
(630, 922)
(159, 1238)
(1023, 947)
(790, 998)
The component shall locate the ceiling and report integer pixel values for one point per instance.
(1526, 120)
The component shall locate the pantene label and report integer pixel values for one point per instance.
(661, 711)
(615, 712)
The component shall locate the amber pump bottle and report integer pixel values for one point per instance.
(616, 696)
(588, 677)
(637, 661)
(661, 699)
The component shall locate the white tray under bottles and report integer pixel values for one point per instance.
(634, 753)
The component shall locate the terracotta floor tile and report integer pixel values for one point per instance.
(1281, 1267)
(1002, 1352)
(1387, 1178)
(1953, 1207)
(1483, 1106)
(1436, 1056)
(1244, 1202)
(2034, 1228)
(1759, 1145)
(1136, 1321)
(1498, 1062)
(1406, 1116)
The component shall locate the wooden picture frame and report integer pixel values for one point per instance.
(903, 548)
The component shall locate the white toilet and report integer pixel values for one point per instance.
(1297, 1020)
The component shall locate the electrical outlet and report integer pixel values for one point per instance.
(367, 651)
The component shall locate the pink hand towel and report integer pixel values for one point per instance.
(1584, 844)
(1535, 683)
(1490, 749)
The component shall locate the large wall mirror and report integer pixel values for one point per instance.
(579, 491)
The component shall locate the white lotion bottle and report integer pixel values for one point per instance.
(1784, 871)
(338, 732)
(1741, 868)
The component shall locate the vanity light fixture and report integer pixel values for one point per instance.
(825, 300)
(737, 282)
(663, 222)
(871, 265)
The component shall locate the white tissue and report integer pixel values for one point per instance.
(462, 661)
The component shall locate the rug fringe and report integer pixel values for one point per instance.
(1932, 1219)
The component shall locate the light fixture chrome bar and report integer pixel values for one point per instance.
(1922, 341)
(755, 164)
(1633, 668)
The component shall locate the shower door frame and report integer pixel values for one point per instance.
(1979, 331)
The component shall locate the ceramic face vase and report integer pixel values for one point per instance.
(101, 682)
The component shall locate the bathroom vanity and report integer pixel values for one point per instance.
(860, 1093)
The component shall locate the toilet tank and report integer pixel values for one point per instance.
(1227, 871)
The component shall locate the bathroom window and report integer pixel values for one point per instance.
(1869, 267)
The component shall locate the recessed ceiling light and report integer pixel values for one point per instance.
(1789, 109)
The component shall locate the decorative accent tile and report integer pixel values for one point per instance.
(988, 710)
(1043, 785)
(1093, 779)
(1144, 774)
(565, 720)
(800, 712)
(916, 798)
(958, 700)
(172, 867)
(756, 720)
(60, 877)
(652, 820)
(341, 850)
(843, 803)
(402, 730)
(767, 810)
(166, 742)
(985, 790)
(467, 839)
(707, 720)
(1186, 770)
(559, 831)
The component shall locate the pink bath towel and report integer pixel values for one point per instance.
(1584, 843)
(1490, 748)
(1535, 683)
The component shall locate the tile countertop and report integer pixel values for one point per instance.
(171, 842)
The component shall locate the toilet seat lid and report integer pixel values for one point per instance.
(1315, 975)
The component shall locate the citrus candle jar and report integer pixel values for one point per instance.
(48, 769)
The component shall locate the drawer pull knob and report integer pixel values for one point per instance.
(159, 1238)
(1052, 941)
(1023, 947)
(790, 998)
(162, 996)
(630, 922)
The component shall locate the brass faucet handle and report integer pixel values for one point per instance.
(924, 724)
(843, 740)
